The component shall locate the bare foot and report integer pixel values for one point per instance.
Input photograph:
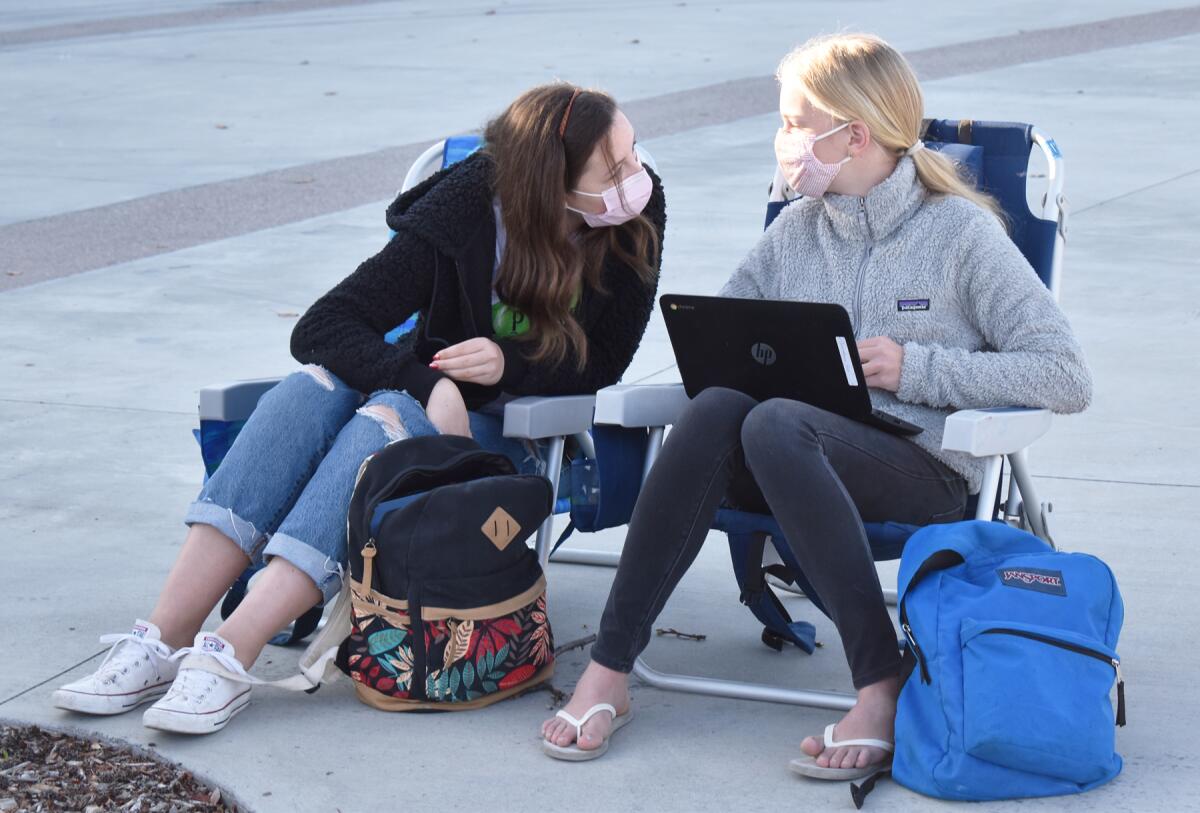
(598, 684)
(873, 717)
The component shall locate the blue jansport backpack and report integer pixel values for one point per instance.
(1010, 659)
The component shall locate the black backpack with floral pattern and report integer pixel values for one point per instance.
(447, 602)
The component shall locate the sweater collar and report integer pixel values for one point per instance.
(882, 211)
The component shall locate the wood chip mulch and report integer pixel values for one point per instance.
(48, 771)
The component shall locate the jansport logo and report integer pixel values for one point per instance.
(1028, 578)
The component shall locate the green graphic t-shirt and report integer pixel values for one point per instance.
(507, 322)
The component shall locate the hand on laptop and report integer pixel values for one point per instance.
(881, 360)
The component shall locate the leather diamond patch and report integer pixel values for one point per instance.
(501, 528)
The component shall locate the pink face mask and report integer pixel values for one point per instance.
(636, 189)
(805, 172)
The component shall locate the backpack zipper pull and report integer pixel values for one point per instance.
(1120, 693)
(368, 555)
(912, 642)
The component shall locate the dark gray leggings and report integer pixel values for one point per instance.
(819, 474)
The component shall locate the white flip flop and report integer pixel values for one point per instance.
(807, 766)
(572, 752)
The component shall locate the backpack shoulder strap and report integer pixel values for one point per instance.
(747, 552)
(317, 664)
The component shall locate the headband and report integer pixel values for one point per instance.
(562, 127)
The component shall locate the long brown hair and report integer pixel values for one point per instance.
(543, 271)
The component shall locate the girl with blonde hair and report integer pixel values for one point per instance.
(948, 315)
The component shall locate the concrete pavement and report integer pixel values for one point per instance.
(101, 368)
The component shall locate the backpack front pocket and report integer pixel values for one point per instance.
(1037, 699)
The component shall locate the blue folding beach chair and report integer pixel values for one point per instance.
(997, 156)
(550, 422)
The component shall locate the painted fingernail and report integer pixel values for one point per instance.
(433, 364)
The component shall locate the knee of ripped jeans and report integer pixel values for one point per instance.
(388, 420)
(319, 374)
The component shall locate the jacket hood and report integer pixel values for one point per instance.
(449, 207)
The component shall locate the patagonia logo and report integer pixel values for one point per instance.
(1029, 578)
(904, 305)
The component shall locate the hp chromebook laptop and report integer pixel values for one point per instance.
(805, 351)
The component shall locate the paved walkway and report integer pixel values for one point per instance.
(146, 251)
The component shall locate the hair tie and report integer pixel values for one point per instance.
(562, 127)
(917, 146)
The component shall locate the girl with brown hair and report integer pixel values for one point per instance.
(532, 265)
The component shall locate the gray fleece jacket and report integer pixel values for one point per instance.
(939, 276)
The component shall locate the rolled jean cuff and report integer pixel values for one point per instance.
(241, 531)
(625, 667)
(323, 570)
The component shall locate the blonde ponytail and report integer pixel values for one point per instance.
(859, 77)
(942, 176)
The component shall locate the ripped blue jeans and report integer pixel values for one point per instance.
(285, 485)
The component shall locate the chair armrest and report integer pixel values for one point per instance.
(994, 430)
(536, 417)
(638, 405)
(233, 401)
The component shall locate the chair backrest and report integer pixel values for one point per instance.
(444, 153)
(996, 156)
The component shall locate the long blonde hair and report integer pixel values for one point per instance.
(859, 77)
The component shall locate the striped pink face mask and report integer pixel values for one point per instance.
(636, 190)
(807, 174)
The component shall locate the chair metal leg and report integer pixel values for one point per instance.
(605, 558)
(595, 558)
(738, 690)
(987, 491)
(545, 534)
(653, 447)
(586, 445)
(889, 596)
(1018, 462)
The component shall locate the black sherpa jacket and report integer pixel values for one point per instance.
(440, 264)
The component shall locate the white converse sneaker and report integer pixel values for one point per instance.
(211, 687)
(136, 670)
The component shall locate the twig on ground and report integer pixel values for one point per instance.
(578, 643)
(687, 636)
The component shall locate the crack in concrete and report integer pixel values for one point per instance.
(52, 677)
(93, 406)
(1133, 192)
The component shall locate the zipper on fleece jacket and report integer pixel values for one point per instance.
(856, 317)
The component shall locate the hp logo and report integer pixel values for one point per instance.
(763, 353)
